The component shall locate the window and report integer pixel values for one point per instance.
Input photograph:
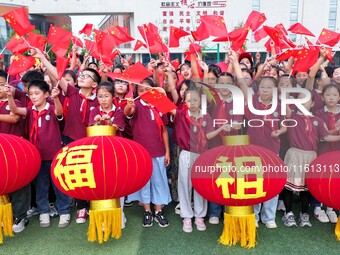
(294, 14)
(333, 5)
(255, 7)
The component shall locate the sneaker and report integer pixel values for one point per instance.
(44, 220)
(332, 216)
(271, 224)
(128, 203)
(19, 225)
(81, 216)
(187, 225)
(64, 220)
(147, 219)
(199, 222)
(32, 211)
(321, 216)
(289, 220)
(178, 209)
(214, 220)
(160, 218)
(123, 221)
(256, 224)
(304, 220)
(281, 206)
(53, 211)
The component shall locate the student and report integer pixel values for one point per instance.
(148, 129)
(81, 102)
(192, 132)
(42, 119)
(303, 141)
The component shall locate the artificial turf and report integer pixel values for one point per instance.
(72, 240)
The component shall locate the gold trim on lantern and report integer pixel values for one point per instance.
(235, 140)
(101, 130)
(4, 199)
(107, 204)
(239, 210)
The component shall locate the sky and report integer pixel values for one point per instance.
(78, 22)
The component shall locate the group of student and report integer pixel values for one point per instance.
(51, 113)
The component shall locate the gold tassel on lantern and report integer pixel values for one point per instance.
(239, 226)
(105, 219)
(337, 230)
(105, 215)
(6, 217)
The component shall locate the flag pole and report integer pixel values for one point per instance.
(23, 38)
(2, 50)
(147, 42)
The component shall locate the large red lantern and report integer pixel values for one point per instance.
(102, 167)
(19, 165)
(323, 181)
(238, 175)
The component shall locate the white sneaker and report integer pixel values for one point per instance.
(199, 222)
(304, 220)
(123, 221)
(321, 216)
(64, 220)
(187, 225)
(271, 224)
(178, 209)
(256, 224)
(32, 211)
(19, 225)
(289, 219)
(214, 220)
(44, 220)
(81, 216)
(332, 216)
(53, 211)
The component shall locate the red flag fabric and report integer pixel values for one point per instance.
(200, 34)
(60, 39)
(329, 37)
(18, 20)
(87, 29)
(120, 34)
(36, 40)
(139, 44)
(287, 54)
(17, 44)
(160, 101)
(260, 34)
(268, 47)
(175, 63)
(255, 20)
(105, 43)
(20, 64)
(306, 58)
(175, 35)
(61, 66)
(298, 28)
(214, 25)
(236, 37)
(77, 41)
(329, 54)
(136, 73)
(153, 39)
(278, 35)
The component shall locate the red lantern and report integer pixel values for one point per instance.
(19, 164)
(238, 175)
(99, 168)
(323, 181)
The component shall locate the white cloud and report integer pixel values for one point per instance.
(78, 22)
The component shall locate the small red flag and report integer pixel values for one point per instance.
(62, 64)
(136, 73)
(175, 35)
(77, 41)
(60, 39)
(87, 29)
(18, 20)
(260, 34)
(236, 37)
(36, 40)
(329, 37)
(298, 28)
(214, 25)
(120, 34)
(17, 44)
(20, 64)
(160, 101)
(287, 54)
(255, 20)
(175, 63)
(306, 58)
(139, 44)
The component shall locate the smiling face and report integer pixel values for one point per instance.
(186, 71)
(37, 96)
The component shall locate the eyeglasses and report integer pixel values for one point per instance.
(121, 82)
(85, 76)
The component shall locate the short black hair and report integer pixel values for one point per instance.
(108, 86)
(71, 73)
(96, 77)
(3, 74)
(227, 74)
(41, 84)
(32, 75)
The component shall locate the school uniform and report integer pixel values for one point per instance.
(191, 138)
(44, 133)
(330, 120)
(147, 124)
(120, 105)
(318, 102)
(9, 128)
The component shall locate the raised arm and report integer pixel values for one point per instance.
(58, 107)
(12, 106)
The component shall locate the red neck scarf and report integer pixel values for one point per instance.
(29, 104)
(34, 129)
(65, 106)
(332, 120)
(83, 107)
(119, 103)
(158, 120)
(201, 137)
(308, 127)
(2, 103)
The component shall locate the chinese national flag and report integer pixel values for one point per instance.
(200, 34)
(287, 54)
(306, 58)
(214, 25)
(60, 39)
(329, 37)
(62, 64)
(77, 41)
(20, 64)
(139, 44)
(18, 20)
(135, 73)
(268, 48)
(91, 47)
(175, 35)
(160, 101)
(255, 20)
(36, 40)
(236, 37)
(105, 43)
(298, 28)
(120, 34)
(153, 39)
(87, 29)
(17, 44)
(260, 34)
(175, 63)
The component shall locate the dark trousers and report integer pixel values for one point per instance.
(20, 200)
